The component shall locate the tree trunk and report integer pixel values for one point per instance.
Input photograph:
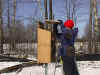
(1, 28)
(13, 43)
(17, 67)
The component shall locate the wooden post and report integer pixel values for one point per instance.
(53, 47)
(50, 10)
(46, 10)
(46, 13)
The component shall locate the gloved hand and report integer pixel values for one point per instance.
(59, 60)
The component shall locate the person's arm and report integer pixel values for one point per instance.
(58, 28)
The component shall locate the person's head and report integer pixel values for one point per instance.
(69, 24)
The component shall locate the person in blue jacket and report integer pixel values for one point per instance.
(66, 33)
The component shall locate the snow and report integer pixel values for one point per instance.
(85, 68)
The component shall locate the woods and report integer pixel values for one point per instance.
(18, 27)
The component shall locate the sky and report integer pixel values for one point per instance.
(59, 12)
(28, 10)
(82, 13)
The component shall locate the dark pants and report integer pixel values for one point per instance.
(69, 66)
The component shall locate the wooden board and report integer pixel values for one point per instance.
(44, 46)
(51, 22)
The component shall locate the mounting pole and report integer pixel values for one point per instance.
(46, 69)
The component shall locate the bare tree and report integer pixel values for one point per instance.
(17, 31)
(12, 41)
(71, 10)
(99, 28)
(74, 10)
(14, 12)
(67, 9)
(86, 36)
(8, 15)
(1, 28)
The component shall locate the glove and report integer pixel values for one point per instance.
(59, 60)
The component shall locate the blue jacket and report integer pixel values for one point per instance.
(64, 42)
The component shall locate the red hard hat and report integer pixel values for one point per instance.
(69, 24)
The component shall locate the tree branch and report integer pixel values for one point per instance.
(17, 67)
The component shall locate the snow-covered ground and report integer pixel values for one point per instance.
(85, 68)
